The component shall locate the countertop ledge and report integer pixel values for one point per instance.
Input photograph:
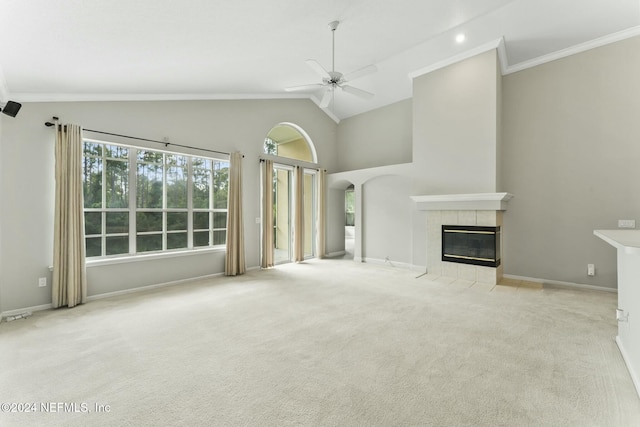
(628, 240)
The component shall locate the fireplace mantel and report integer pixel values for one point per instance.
(459, 202)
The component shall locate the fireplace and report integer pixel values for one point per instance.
(467, 211)
(475, 245)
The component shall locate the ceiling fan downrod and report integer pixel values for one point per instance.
(333, 25)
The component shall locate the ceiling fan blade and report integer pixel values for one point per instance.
(310, 87)
(369, 69)
(357, 92)
(315, 66)
(326, 98)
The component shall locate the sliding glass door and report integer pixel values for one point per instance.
(282, 192)
(284, 213)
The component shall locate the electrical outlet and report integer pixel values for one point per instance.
(621, 315)
(626, 223)
(42, 282)
(591, 270)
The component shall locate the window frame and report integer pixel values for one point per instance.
(213, 164)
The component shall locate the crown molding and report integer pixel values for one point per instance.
(494, 44)
(505, 68)
(101, 97)
(582, 47)
(118, 97)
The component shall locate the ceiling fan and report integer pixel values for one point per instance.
(331, 80)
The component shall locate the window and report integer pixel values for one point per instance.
(138, 200)
(289, 141)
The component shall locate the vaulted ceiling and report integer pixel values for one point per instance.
(68, 50)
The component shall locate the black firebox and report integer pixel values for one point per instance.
(474, 245)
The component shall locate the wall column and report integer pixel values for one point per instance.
(357, 244)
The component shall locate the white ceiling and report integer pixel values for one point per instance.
(67, 50)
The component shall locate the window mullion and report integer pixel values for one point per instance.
(133, 197)
(164, 201)
(103, 204)
(211, 202)
(190, 202)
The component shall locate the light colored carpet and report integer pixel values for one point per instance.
(324, 343)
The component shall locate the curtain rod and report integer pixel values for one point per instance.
(307, 166)
(165, 143)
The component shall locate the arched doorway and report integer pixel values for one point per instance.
(349, 221)
(293, 153)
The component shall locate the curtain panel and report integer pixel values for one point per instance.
(266, 174)
(298, 228)
(321, 218)
(69, 285)
(234, 260)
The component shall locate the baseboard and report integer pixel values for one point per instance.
(22, 310)
(7, 313)
(335, 254)
(634, 375)
(560, 284)
(150, 287)
(390, 263)
(377, 261)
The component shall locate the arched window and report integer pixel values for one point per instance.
(290, 141)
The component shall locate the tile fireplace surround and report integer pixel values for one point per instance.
(483, 209)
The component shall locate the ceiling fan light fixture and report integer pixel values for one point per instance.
(334, 79)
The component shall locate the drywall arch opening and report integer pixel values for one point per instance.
(344, 219)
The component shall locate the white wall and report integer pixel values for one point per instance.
(27, 187)
(26, 214)
(455, 127)
(380, 137)
(386, 219)
(571, 157)
(1, 209)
